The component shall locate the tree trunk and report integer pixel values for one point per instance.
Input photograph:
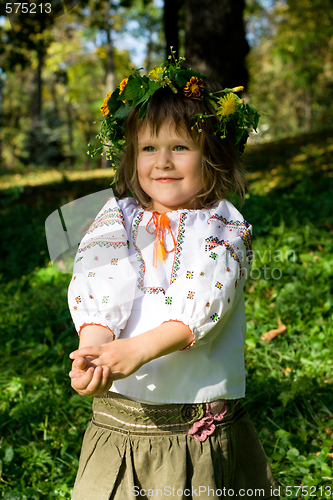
(110, 79)
(110, 76)
(308, 110)
(39, 84)
(150, 50)
(1, 98)
(55, 101)
(70, 131)
(37, 95)
(171, 8)
(215, 40)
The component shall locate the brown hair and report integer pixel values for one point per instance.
(222, 169)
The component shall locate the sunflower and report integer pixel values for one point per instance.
(194, 87)
(104, 108)
(122, 85)
(227, 105)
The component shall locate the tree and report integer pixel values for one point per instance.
(71, 63)
(303, 41)
(171, 25)
(100, 22)
(30, 32)
(292, 52)
(104, 20)
(215, 41)
(143, 21)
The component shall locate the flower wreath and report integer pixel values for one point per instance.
(233, 118)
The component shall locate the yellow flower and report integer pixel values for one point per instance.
(104, 108)
(227, 105)
(123, 85)
(238, 89)
(194, 87)
(155, 73)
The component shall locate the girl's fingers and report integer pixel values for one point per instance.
(80, 363)
(94, 361)
(75, 373)
(107, 378)
(86, 351)
(101, 382)
(106, 381)
(94, 384)
(81, 383)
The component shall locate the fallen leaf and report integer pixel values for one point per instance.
(268, 336)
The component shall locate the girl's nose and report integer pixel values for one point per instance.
(163, 159)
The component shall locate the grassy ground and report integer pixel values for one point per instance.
(290, 380)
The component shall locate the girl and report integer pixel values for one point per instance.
(157, 300)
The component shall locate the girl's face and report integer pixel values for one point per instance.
(169, 167)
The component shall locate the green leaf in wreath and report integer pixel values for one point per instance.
(143, 109)
(153, 86)
(143, 99)
(122, 112)
(113, 103)
(134, 90)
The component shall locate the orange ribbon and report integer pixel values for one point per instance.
(161, 223)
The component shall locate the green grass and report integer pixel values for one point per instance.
(289, 381)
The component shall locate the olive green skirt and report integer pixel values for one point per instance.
(134, 450)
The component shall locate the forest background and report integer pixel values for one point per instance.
(54, 74)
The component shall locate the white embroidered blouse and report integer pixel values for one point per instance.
(115, 284)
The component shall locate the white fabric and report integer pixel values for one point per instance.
(200, 283)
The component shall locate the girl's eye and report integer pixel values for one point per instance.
(149, 148)
(180, 148)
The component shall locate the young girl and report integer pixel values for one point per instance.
(157, 300)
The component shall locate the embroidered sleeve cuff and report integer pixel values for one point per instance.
(97, 324)
(192, 344)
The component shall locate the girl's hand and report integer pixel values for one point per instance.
(122, 356)
(93, 381)
(80, 366)
(126, 356)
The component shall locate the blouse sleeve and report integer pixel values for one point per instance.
(204, 295)
(103, 284)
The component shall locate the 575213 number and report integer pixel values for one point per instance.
(28, 8)
(312, 491)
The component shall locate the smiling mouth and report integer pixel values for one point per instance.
(167, 179)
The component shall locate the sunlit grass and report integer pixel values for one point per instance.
(37, 177)
(283, 170)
